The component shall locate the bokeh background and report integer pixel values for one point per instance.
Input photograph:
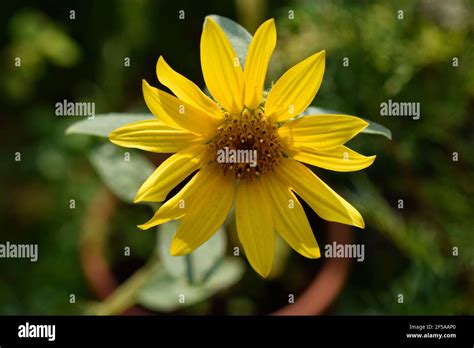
(409, 250)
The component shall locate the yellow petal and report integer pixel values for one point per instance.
(321, 198)
(171, 172)
(321, 131)
(177, 206)
(339, 159)
(256, 64)
(154, 136)
(290, 219)
(295, 90)
(186, 90)
(221, 68)
(176, 113)
(208, 209)
(255, 225)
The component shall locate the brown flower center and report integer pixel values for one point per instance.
(246, 145)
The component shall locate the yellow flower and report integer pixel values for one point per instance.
(197, 129)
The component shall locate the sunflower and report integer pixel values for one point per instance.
(240, 117)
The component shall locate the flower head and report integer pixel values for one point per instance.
(213, 139)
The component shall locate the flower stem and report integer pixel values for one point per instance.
(125, 296)
(189, 269)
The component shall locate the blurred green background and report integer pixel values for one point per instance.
(409, 251)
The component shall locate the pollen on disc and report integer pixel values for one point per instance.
(247, 145)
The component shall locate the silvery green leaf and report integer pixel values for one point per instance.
(313, 110)
(376, 128)
(203, 261)
(163, 292)
(238, 36)
(123, 171)
(102, 125)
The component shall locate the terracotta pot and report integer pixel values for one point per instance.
(327, 283)
(316, 299)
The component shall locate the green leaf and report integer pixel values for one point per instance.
(238, 36)
(200, 264)
(122, 170)
(163, 292)
(313, 110)
(376, 128)
(372, 128)
(102, 125)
